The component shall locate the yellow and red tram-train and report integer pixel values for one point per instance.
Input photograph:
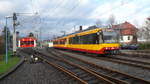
(98, 41)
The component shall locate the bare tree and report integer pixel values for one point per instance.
(31, 34)
(111, 20)
(136, 32)
(140, 33)
(146, 30)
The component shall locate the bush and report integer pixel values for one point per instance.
(144, 46)
(2, 45)
(1, 57)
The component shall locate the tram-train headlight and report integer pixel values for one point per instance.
(107, 48)
(112, 48)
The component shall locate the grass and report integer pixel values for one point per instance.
(12, 61)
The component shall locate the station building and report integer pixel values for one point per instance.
(127, 32)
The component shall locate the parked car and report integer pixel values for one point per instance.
(129, 46)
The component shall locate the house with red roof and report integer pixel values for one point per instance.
(127, 32)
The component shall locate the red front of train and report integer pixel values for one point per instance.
(27, 42)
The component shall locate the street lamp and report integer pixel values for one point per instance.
(6, 57)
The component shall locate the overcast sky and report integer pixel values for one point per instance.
(63, 15)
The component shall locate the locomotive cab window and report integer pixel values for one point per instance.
(32, 42)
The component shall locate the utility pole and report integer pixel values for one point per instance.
(6, 41)
(40, 40)
(74, 28)
(37, 38)
(14, 33)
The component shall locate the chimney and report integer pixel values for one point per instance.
(80, 28)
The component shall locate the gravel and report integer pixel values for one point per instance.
(134, 71)
(38, 73)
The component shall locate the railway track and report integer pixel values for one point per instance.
(136, 54)
(78, 72)
(137, 51)
(134, 63)
(113, 75)
(142, 64)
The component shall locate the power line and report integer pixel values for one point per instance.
(56, 7)
(116, 7)
(71, 10)
(32, 6)
(53, 12)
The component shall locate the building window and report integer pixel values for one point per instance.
(121, 37)
(128, 37)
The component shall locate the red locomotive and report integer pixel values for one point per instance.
(27, 42)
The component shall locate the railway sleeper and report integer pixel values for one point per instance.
(126, 79)
(94, 82)
(78, 70)
(136, 82)
(83, 75)
(88, 78)
(113, 79)
(114, 75)
(79, 73)
(71, 68)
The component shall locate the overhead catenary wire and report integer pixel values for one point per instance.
(56, 7)
(79, 14)
(123, 3)
(69, 12)
(26, 21)
(32, 6)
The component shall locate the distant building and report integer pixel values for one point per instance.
(127, 32)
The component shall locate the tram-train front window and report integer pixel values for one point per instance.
(110, 37)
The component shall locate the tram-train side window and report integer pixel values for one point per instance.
(94, 38)
(55, 42)
(74, 40)
(89, 39)
(61, 41)
(85, 39)
(70, 40)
